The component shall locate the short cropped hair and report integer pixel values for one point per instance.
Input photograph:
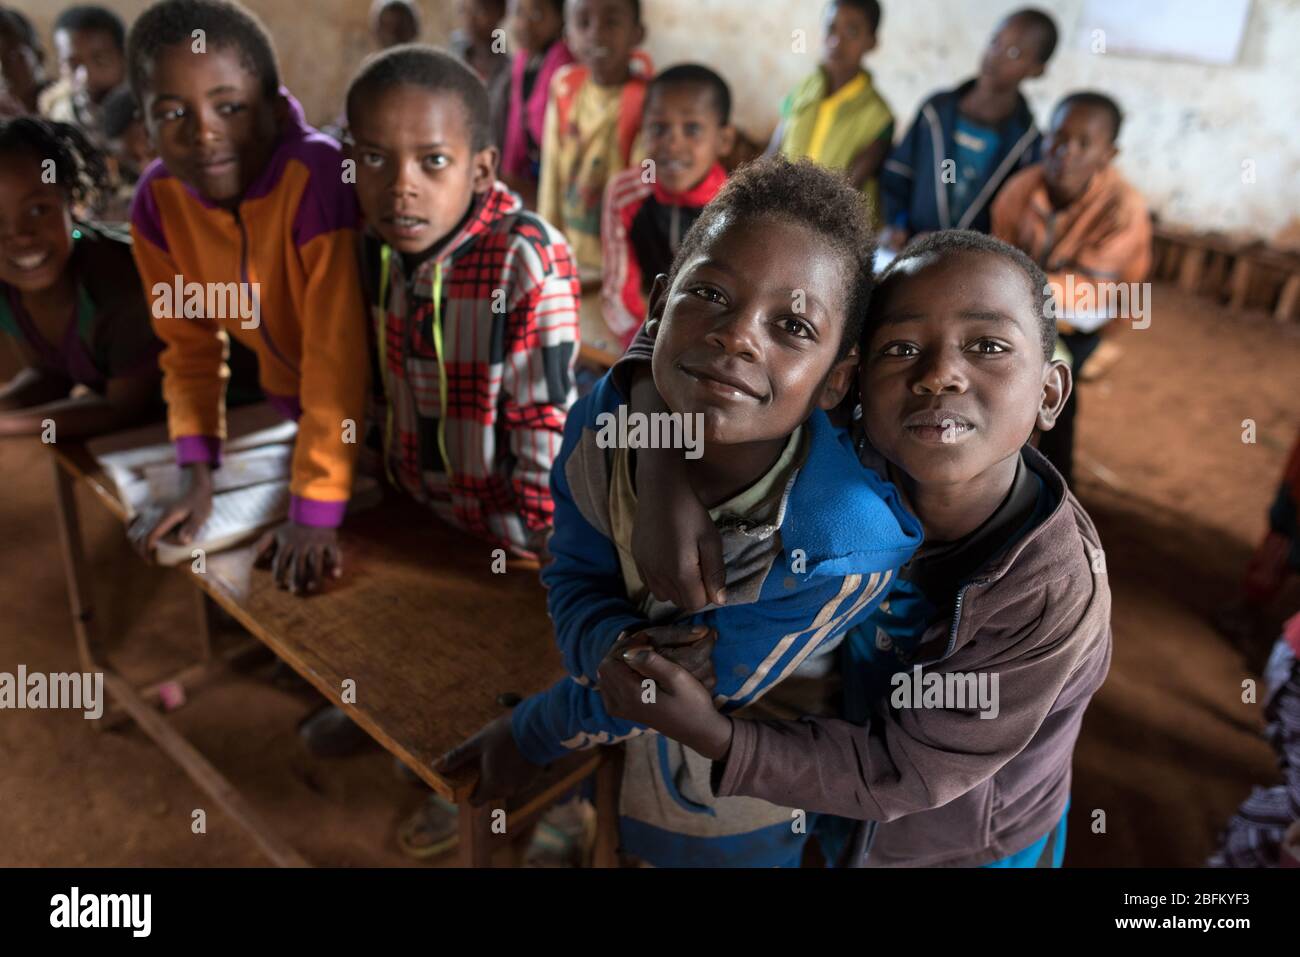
(16, 25)
(950, 241)
(225, 25)
(118, 111)
(868, 8)
(636, 9)
(90, 19)
(701, 77)
(813, 196)
(407, 9)
(416, 64)
(1099, 101)
(1043, 25)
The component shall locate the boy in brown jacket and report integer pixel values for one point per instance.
(963, 695)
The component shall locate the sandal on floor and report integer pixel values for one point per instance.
(564, 837)
(433, 829)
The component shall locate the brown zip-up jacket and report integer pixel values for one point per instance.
(942, 787)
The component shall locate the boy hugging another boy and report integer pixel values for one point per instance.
(983, 127)
(835, 117)
(1078, 218)
(755, 327)
(963, 693)
(593, 117)
(686, 130)
(247, 195)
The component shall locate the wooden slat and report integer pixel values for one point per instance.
(201, 772)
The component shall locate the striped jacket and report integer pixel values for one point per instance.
(487, 330)
(913, 193)
(642, 226)
(289, 248)
(794, 589)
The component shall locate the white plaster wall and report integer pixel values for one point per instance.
(1188, 127)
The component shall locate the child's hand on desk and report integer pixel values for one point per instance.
(185, 515)
(681, 707)
(502, 769)
(301, 557)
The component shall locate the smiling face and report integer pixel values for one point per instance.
(684, 135)
(602, 35)
(848, 38)
(91, 60)
(35, 225)
(1079, 145)
(733, 342)
(417, 172)
(209, 120)
(534, 24)
(953, 379)
(1011, 56)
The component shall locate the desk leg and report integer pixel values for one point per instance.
(475, 835)
(609, 778)
(74, 567)
(203, 606)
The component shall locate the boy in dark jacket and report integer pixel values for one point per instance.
(983, 130)
(1007, 595)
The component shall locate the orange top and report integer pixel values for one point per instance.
(280, 275)
(1103, 236)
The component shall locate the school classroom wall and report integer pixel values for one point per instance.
(1189, 128)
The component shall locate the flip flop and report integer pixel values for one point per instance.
(433, 830)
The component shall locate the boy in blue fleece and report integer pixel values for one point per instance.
(754, 333)
(984, 129)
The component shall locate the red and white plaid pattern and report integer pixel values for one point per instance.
(510, 333)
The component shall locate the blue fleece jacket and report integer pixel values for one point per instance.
(841, 535)
(912, 190)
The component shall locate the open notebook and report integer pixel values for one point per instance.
(250, 490)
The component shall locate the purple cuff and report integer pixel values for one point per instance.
(308, 511)
(198, 448)
(286, 405)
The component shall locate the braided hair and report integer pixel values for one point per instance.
(79, 167)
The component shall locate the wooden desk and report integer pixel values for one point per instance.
(421, 625)
(600, 347)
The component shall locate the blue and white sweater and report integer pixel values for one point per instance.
(794, 587)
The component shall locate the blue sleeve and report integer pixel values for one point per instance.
(585, 595)
(897, 176)
(566, 717)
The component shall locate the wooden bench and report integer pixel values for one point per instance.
(1226, 269)
(430, 636)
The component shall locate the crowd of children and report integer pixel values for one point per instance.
(869, 501)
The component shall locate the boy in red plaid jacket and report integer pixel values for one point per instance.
(474, 303)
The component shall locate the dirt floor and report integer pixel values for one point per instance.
(1167, 751)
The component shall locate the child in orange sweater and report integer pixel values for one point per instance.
(250, 202)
